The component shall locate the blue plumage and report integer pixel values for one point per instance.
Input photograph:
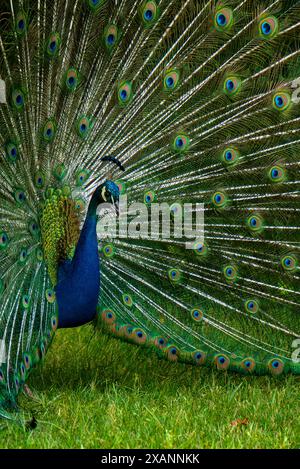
(78, 285)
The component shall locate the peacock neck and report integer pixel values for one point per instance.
(92, 208)
(79, 280)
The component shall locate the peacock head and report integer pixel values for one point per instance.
(107, 193)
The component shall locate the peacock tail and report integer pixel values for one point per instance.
(199, 102)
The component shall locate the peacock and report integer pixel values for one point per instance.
(117, 113)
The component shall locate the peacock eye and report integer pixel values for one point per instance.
(268, 27)
(125, 92)
(223, 19)
(149, 12)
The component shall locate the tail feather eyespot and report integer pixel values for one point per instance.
(223, 19)
(199, 357)
(149, 12)
(71, 79)
(276, 366)
(222, 362)
(12, 152)
(139, 336)
(268, 27)
(248, 364)
(53, 45)
(111, 34)
(108, 316)
(172, 353)
(125, 93)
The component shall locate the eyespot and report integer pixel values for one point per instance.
(268, 27)
(232, 85)
(27, 359)
(289, 263)
(39, 255)
(108, 316)
(54, 323)
(219, 199)
(174, 275)
(230, 156)
(49, 130)
(277, 174)
(127, 331)
(22, 371)
(172, 353)
(4, 240)
(23, 255)
(223, 19)
(197, 314)
(83, 126)
(255, 223)
(20, 196)
(149, 12)
(17, 381)
(18, 100)
(39, 180)
(149, 197)
(251, 306)
(282, 101)
(94, 4)
(276, 366)
(248, 364)
(125, 92)
(34, 228)
(81, 177)
(11, 151)
(50, 295)
(200, 249)
(181, 143)
(199, 357)
(26, 301)
(59, 171)
(171, 80)
(127, 300)
(21, 23)
(222, 362)
(80, 204)
(160, 342)
(139, 336)
(71, 79)
(230, 273)
(110, 36)
(53, 45)
(108, 250)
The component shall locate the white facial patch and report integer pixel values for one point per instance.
(103, 194)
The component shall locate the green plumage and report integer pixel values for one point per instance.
(198, 101)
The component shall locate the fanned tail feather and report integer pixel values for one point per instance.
(197, 100)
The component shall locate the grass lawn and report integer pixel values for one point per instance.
(97, 392)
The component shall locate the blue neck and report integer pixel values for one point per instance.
(78, 286)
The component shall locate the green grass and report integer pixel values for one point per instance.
(97, 392)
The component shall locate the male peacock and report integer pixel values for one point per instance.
(198, 101)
